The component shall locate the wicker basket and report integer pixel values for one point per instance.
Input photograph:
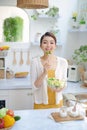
(9, 128)
(32, 4)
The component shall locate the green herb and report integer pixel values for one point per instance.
(53, 82)
(82, 21)
(48, 52)
(34, 17)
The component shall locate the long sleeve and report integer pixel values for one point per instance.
(61, 71)
(33, 72)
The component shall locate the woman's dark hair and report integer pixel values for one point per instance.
(50, 34)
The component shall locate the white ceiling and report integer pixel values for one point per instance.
(8, 2)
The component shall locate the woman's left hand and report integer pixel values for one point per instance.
(57, 89)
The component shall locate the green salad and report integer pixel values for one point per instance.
(48, 52)
(53, 82)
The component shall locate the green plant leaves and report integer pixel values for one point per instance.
(80, 55)
(53, 11)
(13, 29)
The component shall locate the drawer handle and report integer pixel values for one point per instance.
(30, 94)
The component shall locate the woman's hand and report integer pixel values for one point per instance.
(58, 89)
(47, 66)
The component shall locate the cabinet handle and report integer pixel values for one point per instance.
(30, 94)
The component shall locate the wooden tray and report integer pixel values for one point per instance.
(57, 117)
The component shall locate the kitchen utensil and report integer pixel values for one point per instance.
(74, 108)
(14, 58)
(28, 58)
(21, 58)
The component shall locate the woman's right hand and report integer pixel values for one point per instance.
(46, 67)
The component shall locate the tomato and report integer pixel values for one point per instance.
(10, 112)
(1, 49)
(1, 123)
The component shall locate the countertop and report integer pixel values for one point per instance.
(40, 120)
(75, 87)
(24, 83)
(15, 83)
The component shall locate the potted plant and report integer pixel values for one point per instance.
(82, 24)
(53, 11)
(80, 55)
(80, 58)
(74, 22)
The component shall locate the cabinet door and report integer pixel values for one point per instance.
(21, 99)
(4, 98)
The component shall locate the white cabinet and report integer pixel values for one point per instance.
(4, 98)
(18, 99)
(21, 99)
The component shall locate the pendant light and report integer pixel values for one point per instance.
(32, 4)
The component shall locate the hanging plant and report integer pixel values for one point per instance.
(53, 11)
(13, 29)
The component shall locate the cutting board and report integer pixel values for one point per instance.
(57, 117)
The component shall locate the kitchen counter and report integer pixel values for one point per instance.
(24, 83)
(40, 120)
(75, 87)
(15, 83)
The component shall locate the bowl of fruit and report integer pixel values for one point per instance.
(54, 83)
(7, 119)
(4, 50)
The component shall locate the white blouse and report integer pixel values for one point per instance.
(36, 68)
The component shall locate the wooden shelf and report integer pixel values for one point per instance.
(46, 16)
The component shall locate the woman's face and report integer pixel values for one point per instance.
(48, 44)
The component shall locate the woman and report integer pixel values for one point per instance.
(48, 65)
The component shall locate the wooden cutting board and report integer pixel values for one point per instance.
(57, 117)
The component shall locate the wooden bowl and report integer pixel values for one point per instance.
(21, 74)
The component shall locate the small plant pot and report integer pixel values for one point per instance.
(75, 25)
(82, 27)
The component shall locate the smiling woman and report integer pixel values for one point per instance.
(48, 66)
